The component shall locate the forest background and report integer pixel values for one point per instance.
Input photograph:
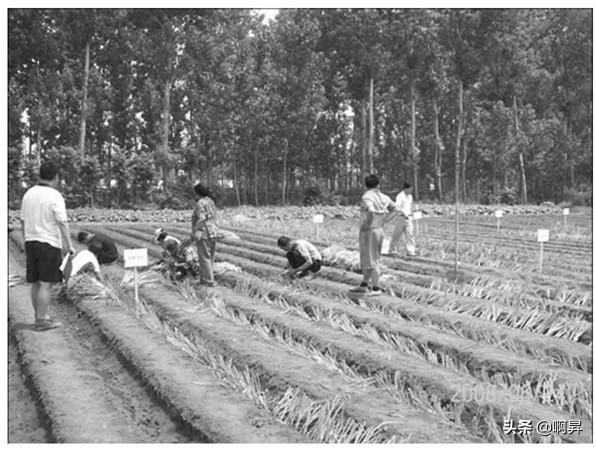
(138, 104)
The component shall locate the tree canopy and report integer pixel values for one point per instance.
(309, 102)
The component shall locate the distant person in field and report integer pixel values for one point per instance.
(205, 232)
(404, 223)
(46, 235)
(374, 208)
(303, 257)
(181, 258)
(169, 244)
(102, 246)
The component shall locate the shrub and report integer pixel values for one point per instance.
(578, 197)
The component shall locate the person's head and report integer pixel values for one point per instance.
(84, 237)
(48, 172)
(371, 181)
(201, 190)
(407, 188)
(284, 242)
(160, 235)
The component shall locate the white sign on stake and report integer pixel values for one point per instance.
(543, 235)
(417, 215)
(318, 218)
(136, 258)
(499, 213)
(566, 211)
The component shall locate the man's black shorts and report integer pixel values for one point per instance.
(43, 262)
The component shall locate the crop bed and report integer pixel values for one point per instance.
(429, 360)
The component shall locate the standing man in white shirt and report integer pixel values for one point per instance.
(404, 223)
(46, 234)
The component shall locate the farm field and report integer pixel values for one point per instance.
(432, 359)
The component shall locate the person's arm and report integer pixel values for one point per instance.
(23, 233)
(65, 232)
(393, 212)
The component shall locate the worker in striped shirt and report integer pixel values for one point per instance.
(303, 257)
(373, 210)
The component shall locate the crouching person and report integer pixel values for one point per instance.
(303, 257)
(101, 245)
(83, 262)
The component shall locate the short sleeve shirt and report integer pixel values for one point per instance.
(377, 203)
(307, 250)
(205, 214)
(41, 210)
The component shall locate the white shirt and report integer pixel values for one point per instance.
(41, 210)
(307, 250)
(403, 201)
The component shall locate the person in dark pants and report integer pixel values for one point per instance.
(303, 257)
(44, 225)
(101, 245)
(204, 232)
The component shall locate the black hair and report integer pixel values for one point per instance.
(202, 190)
(407, 185)
(162, 236)
(48, 171)
(82, 236)
(283, 241)
(371, 181)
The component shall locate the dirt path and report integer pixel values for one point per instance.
(25, 425)
(81, 385)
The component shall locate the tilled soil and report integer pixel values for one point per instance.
(241, 327)
(91, 360)
(25, 425)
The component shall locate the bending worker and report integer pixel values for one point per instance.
(303, 257)
(102, 246)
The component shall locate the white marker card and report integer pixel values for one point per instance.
(543, 235)
(318, 218)
(499, 213)
(136, 258)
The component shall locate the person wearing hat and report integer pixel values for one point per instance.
(404, 224)
(168, 243)
(101, 245)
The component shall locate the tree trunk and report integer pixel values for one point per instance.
(439, 148)
(457, 146)
(256, 177)
(84, 102)
(165, 146)
(236, 180)
(522, 170)
(413, 151)
(363, 137)
(371, 137)
(284, 184)
(464, 162)
(109, 174)
(38, 145)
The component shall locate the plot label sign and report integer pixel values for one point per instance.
(499, 213)
(136, 258)
(543, 235)
(318, 218)
(417, 215)
(566, 211)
